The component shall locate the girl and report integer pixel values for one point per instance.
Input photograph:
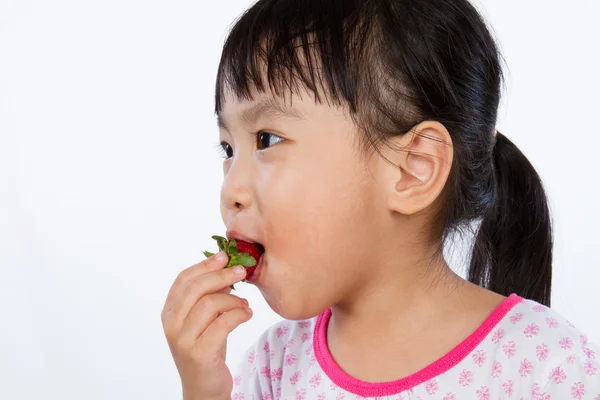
(358, 135)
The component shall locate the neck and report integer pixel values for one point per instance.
(405, 311)
(410, 297)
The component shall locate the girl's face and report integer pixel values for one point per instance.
(300, 189)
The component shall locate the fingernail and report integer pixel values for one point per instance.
(239, 270)
(220, 256)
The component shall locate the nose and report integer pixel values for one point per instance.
(236, 192)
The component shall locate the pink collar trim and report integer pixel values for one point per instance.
(369, 389)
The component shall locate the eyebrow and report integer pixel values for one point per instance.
(269, 108)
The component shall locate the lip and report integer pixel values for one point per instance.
(238, 236)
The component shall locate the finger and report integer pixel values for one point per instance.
(225, 290)
(215, 335)
(197, 288)
(212, 263)
(205, 311)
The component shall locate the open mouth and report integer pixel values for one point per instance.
(256, 251)
(258, 256)
(241, 252)
(253, 272)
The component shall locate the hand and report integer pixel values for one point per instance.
(197, 317)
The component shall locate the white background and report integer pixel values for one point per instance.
(109, 177)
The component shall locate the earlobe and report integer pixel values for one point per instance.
(423, 166)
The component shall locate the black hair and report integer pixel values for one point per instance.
(394, 64)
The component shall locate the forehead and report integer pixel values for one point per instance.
(267, 105)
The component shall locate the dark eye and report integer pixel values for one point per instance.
(225, 150)
(264, 139)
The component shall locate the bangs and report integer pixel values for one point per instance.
(280, 45)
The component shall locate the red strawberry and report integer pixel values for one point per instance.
(254, 249)
(240, 253)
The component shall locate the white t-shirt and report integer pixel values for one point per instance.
(523, 350)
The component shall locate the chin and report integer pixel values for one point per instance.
(292, 307)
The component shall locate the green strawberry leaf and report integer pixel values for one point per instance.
(233, 250)
(231, 262)
(208, 254)
(245, 260)
(231, 245)
(221, 241)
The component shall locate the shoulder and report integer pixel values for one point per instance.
(542, 343)
(529, 322)
(286, 337)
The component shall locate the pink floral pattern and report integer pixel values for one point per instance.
(295, 377)
(515, 318)
(589, 353)
(496, 369)
(498, 335)
(537, 394)
(557, 375)
(479, 357)
(276, 374)
(301, 394)
(590, 368)
(577, 390)
(431, 386)
(530, 352)
(315, 380)
(510, 349)
(290, 359)
(282, 331)
(508, 388)
(465, 378)
(483, 393)
(566, 343)
(525, 368)
(266, 372)
(552, 323)
(542, 351)
(531, 330)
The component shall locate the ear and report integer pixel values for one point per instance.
(422, 160)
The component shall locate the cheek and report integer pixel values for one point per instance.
(316, 235)
(313, 211)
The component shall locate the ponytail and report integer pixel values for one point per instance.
(513, 246)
